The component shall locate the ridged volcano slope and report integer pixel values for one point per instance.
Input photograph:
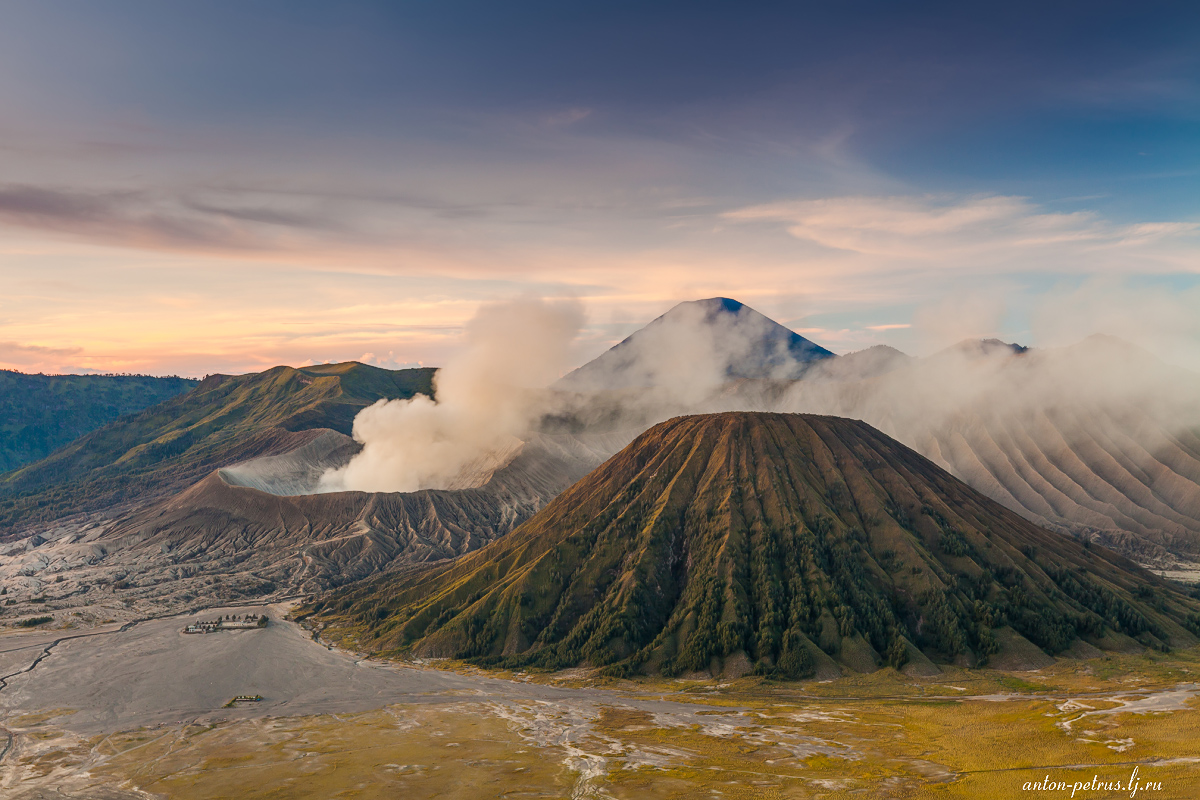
(776, 540)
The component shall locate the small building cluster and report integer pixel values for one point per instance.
(229, 622)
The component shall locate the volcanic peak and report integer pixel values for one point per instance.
(717, 333)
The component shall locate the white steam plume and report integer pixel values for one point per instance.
(485, 401)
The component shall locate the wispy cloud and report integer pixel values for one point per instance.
(11, 349)
(140, 219)
(962, 231)
(33, 357)
(566, 117)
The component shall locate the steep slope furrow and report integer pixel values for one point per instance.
(1107, 428)
(1159, 484)
(978, 409)
(679, 485)
(1063, 467)
(1005, 434)
(1188, 441)
(851, 452)
(633, 532)
(1109, 482)
(517, 561)
(1066, 497)
(1172, 474)
(876, 486)
(1043, 475)
(961, 461)
(795, 474)
(1033, 493)
(927, 442)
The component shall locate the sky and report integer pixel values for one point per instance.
(227, 186)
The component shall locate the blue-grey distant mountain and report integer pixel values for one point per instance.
(718, 338)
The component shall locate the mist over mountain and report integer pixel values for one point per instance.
(778, 543)
(1100, 439)
(490, 395)
(698, 344)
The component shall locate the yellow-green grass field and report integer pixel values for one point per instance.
(963, 734)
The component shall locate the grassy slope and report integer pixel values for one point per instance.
(223, 420)
(789, 538)
(41, 413)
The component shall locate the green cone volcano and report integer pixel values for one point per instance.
(776, 541)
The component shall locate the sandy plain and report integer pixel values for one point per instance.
(141, 712)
